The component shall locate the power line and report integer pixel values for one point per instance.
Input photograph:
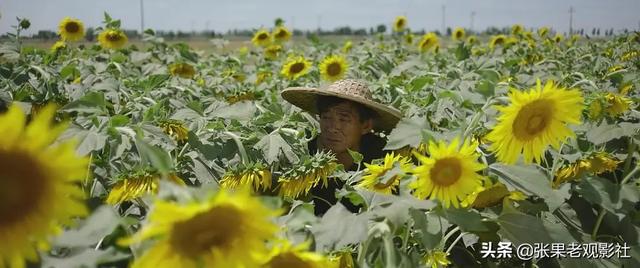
(571, 11)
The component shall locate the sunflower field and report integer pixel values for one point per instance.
(117, 155)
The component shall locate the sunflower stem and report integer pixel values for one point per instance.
(455, 242)
(556, 161)
(449, 234)
(362, 252)
(630, 175)
(630, 151)
(476, 118)
(601, 214)
(241, 149)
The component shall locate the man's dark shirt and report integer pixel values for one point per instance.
(370, 148)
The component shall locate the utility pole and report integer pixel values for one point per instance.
(473, 14)
(444, 30)
(571, 11)
(141, 18)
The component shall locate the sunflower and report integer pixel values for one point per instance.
(435, 258)
(286, 255)
(137, 184)
(625, 88)
(472, 40)
(516, 29)
(308, 174)
(262, 76)
(458, 34)
(58, 45)
(241, 96)
(261, 38)
(449, 173)
(227, 230)
(333, 67)
(175, 129)
(39, 181)
(281, 34)
(627, 56)
(558, 38)
(617, 104)
(347, 46)
(534, 120)
(399, 24)
(295, 67)
(543, 31)
(375, 178)
(71, 29)
(183, 70)
(343, 259)
(497, 40)
(272, 51)
(408, 38)
(255, 175)
(428, 42)
(112, 38)
(597, 163)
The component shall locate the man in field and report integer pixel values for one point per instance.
(348, 116)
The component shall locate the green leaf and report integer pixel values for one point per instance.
(604, 133)
(69, 71)
(468, 220)
(155, 81)
(407, 132)
(606, 194)
(339, 227)
(356, 156)
(522, 228)
(486, 88)
(155, 156)
(100, 224)
(530, 180)
(272, 145)
(92, 102)
(428, 227)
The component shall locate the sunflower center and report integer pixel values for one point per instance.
(446, 171)
(296, 67)
(72, 27)
(532, 119)
(281, 34)
(334, 69)
(458, 34)
(400, 24)
(498, 41)
(288, 259)
(23, 183)
(263, 36)
(113, 37)
(219, 227)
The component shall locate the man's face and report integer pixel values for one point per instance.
(341, 128)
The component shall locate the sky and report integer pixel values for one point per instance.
(222, 15)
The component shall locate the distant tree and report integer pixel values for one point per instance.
(593, 32)
(371, 32)
(598, 32)
(360, 32)
(45, 34)
(381, 28)
(90, 34)
(279, 22)
(448, 31)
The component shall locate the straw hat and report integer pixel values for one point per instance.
(353, 90)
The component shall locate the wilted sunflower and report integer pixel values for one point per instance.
(254, 175)
(286, 255)
(58, 45)
(227, 230)
(516, 29)
(71, 29)
(183, 70)
(617, 104)
(272, 51)
(175, 129)
(295, 68)
(428, 42)
(534, 120)
(281, 34)
(377, 179)
(497, 40)
(625, 88)
(333, 68)
(458, 34)
(627, 56)
(112, 38)
(543, 31)
(241, 96)
(261, 38)
(597, 163)
(39, 181)
(308, 174)
(449, 174)
(347, 46)
(399, 24)
(490, 194)
(435, 258)
(138, 184)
